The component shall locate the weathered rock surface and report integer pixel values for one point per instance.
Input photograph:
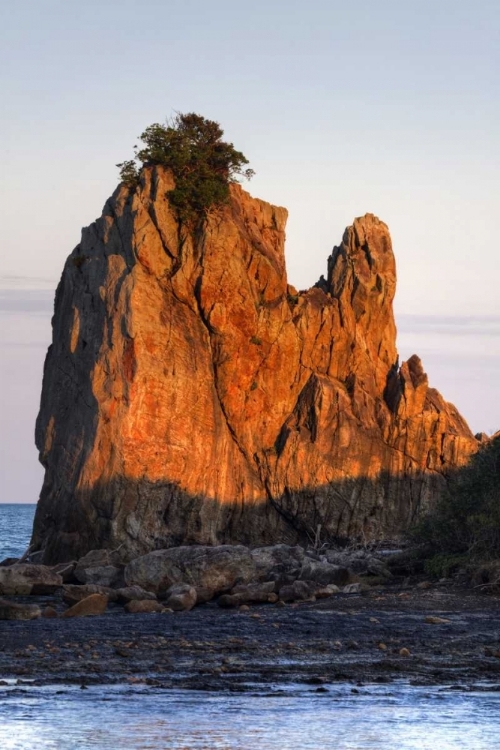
(133, 593)
(181, 597)
(256, 593)
(100, 567)
(92, 605)
(25, 579)
(191, 396)
(211, 569)
(15, 611)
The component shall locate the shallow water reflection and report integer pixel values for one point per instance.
(395, 717)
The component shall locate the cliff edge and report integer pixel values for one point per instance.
(191, 396)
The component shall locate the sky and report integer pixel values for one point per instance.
(342, 108)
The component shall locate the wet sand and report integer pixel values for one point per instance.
(378, 636)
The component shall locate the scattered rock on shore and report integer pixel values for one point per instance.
(214, 569)
(95, 604)
(14, 611)
(25, 579)
(181, 597)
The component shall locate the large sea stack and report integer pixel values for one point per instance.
(191, 396)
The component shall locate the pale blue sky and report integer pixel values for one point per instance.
(387, 106)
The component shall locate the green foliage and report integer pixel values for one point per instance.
(202, 163)
(466, 522)
(129, 172)
(443, 565)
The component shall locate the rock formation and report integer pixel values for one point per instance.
(191, 396)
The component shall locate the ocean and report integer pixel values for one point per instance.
(16, 522)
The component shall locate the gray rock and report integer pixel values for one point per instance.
(359, 561)
(181, 597)
(100, 567)
(14, 611)
(279, 562)
(25, 579)
(296, 591)
(66, 571)
(352, 588)
(324, 573)
(215, 569)
(133, 593)
(255, 592)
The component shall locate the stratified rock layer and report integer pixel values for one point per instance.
(191, 396)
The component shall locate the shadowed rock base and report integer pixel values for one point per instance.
(359, 508)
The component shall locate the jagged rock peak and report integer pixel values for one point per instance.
(191, 395)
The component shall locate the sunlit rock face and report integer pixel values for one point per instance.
(191, 396)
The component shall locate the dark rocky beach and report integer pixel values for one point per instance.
(380, 635)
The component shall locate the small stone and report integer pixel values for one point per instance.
(382, 647)
(433, 620)
(424, 585)
(404, 652)
(49, 613)
(244, 608)
(352, 588)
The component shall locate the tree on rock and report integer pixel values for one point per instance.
(203, 165)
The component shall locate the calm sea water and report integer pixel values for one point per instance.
(16, 522)
(396, 717)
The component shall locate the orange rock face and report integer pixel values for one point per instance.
(191, 396)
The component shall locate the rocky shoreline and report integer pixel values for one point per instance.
(265, 616)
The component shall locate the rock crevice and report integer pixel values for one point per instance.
(210, 402)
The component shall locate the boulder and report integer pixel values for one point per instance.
(255, 592)
(72, 593)
(133, 593)
(101, 567)
(95, 604)
(323, 573)
(66, 571)
(279, 562)
(181, 597)
(203, 595)
(146, 606)
(14, 611)
(359, 561)
(216, 569)
(296, 591)
(24, 579)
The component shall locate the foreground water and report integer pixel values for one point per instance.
(16, 522)
(395, 717)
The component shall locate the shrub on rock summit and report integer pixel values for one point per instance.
(202, 163)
